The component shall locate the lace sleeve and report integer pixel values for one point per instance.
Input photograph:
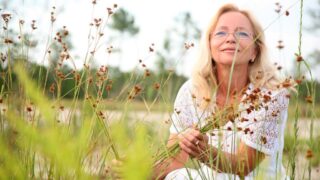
(263, 128)
(184, 109)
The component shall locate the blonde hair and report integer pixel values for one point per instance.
(261, 71)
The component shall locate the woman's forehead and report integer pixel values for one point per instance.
(233, 20)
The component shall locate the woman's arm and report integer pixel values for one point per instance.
(241, 163)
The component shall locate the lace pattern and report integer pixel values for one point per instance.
(260, 128)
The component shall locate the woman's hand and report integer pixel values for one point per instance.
(115, 169)
(194, 143)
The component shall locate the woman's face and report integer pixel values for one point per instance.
(232, 28)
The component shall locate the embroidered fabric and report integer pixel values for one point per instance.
(259, 126)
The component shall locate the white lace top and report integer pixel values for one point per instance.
(261, 128)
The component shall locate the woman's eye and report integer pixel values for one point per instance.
(220, 33)
(243, 34)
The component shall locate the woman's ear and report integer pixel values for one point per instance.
(256, 52)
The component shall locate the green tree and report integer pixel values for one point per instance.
(124, 22)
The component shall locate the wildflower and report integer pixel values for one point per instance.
(6, 17)
(21, 21)
(309, 154)
(287, 83)
(263, 139)
(52, 88)
(278, 7)
(298, 81)
(97, 21)
(52, 17)
(299, 58)
(156, 86)
(110, 11)
(207, 99)
(33, 25)
(177, 111)
(287, 13)
(309, 99)
(90, 80)
(109, 49)
(29, 109)
(108, 87)
(137, 89)
(151, 48)
(147, 72)
(280, 45)
(77, 77)
(259, 75)
(188, 45)
(8, 41)
(246, 130)
(266, 98)
(3, 57)
(288, 96)
(274, 113)
(244, 119)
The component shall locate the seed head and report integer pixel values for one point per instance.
(309, 154)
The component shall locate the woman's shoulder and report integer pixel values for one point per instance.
(186, 86)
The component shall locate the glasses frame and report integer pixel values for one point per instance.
(215, 36)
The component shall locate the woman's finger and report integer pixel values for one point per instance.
(190, 141)
(188, 150)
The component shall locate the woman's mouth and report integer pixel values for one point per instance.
(230, 50)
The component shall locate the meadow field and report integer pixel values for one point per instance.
(58, 121)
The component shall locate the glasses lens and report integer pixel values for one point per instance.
(242, 35)
(220, 34)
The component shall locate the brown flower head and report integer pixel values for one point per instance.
(156, 86)
(309, 154)
(263, 139)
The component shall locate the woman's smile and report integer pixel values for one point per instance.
(230, 50)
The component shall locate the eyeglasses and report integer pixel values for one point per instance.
(239, 35)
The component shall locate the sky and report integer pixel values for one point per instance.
(154, 18)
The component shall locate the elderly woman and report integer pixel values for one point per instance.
(232, 71)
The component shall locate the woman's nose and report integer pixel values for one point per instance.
(230, 38)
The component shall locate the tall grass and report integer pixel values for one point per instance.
(45, 136)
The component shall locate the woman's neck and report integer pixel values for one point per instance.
(239, 79)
